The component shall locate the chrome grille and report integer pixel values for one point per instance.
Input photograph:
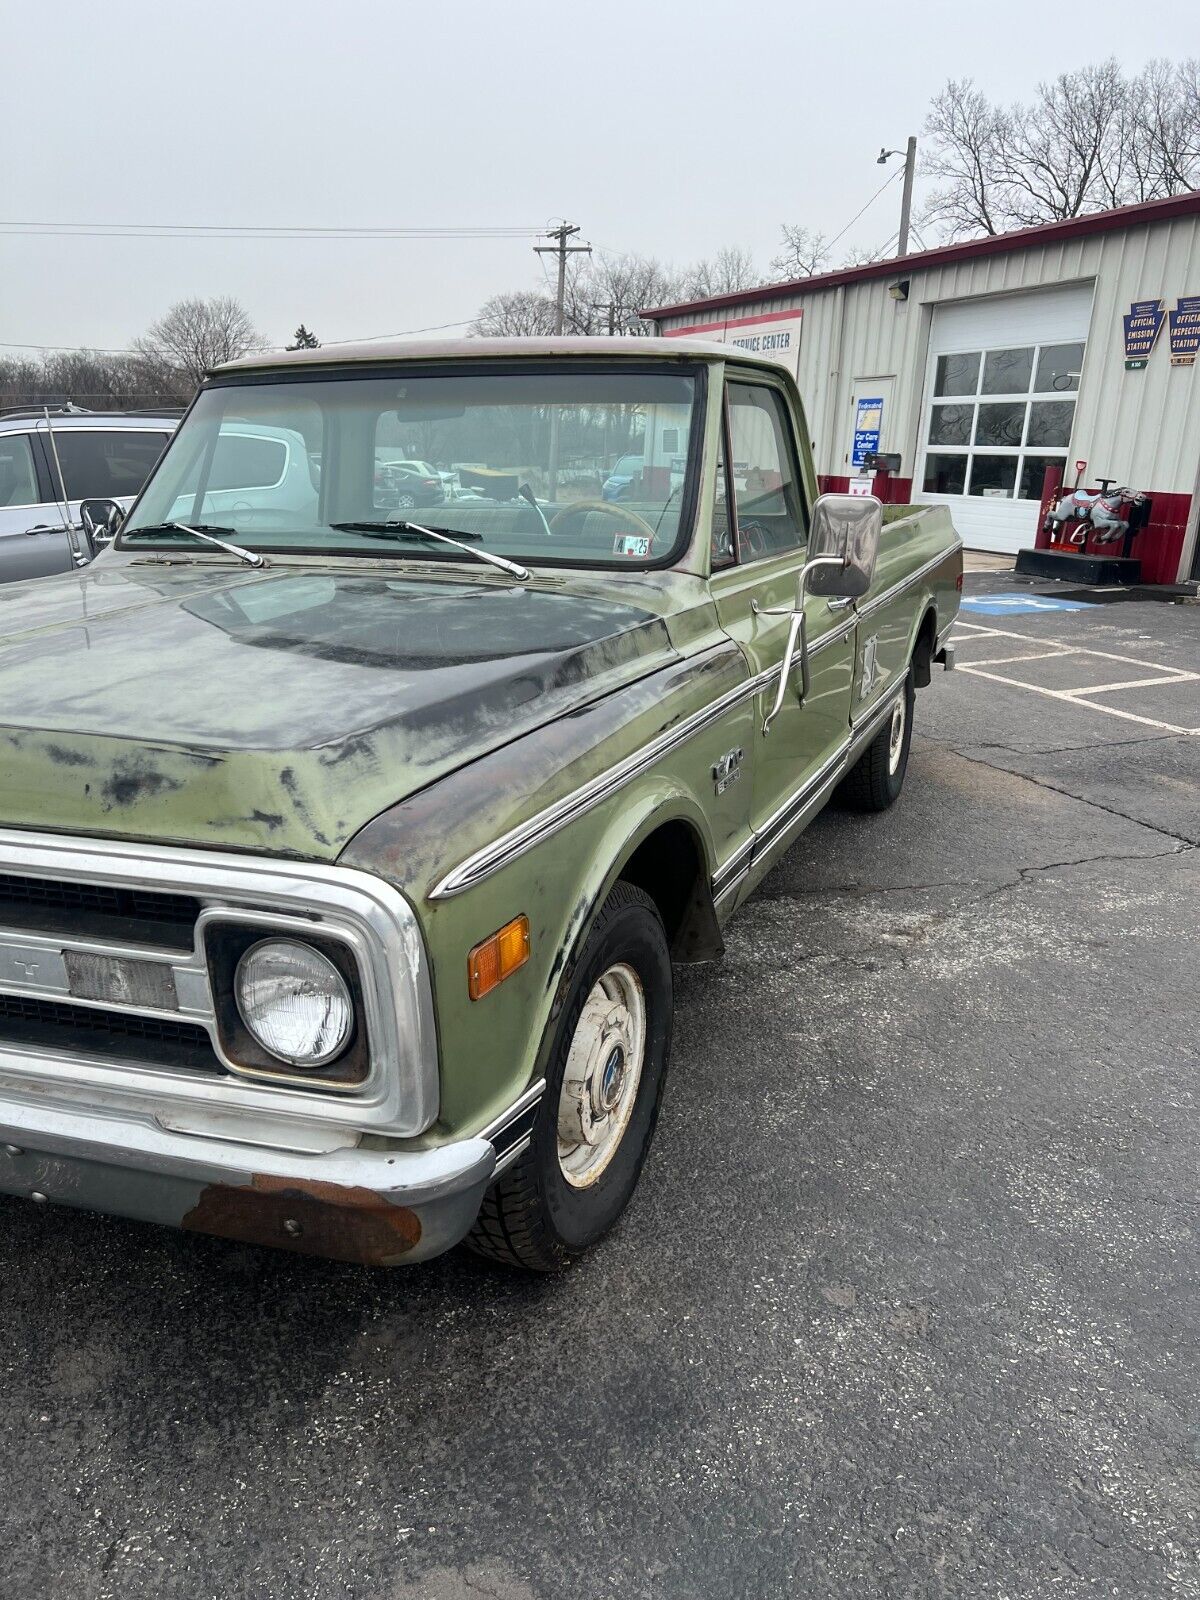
(105, 986)
(75, 1030)
(101, 910)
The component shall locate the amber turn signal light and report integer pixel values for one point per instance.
(498, 957)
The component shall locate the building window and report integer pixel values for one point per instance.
(998, 418)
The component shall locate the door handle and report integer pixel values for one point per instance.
(840, 605)
(45, 527)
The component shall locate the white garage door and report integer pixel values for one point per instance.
(999, 407)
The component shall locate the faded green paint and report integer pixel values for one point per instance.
(399, 716)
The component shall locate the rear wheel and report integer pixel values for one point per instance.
(604, 1081)
(876, 778)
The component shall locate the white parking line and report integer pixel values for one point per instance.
(1004, 661)
(1076, 697)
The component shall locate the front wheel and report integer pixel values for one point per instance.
(876, 778)
(604, 1081)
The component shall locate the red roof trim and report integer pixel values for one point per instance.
(1177, 205)
(792, 314)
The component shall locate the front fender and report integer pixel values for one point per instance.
(490, 1049)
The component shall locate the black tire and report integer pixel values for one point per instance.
(873, 782)
(532, 1217)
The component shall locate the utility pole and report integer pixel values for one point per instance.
(610, 308)
(910, 171)
(910, 168)
(562, 250)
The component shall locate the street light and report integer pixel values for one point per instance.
(910, 167)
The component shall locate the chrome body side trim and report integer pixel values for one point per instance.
(400, 1093)
(889, 595)
(811, 793)
(513, 844)
(549, 821)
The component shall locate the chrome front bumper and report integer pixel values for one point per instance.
(372, 1206)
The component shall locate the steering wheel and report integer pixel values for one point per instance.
(613, 508)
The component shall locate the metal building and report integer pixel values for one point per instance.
(1073, 344)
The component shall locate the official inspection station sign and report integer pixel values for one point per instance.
(1185, 330)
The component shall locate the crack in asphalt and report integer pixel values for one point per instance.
(1054, 749)
(1054, 788)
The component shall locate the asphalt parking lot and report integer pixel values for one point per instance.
(908, 1301)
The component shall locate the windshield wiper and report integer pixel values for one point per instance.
(205, 531)
(401, 529)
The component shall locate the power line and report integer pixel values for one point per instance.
(867, 207)
(190, 230)
(362, 338)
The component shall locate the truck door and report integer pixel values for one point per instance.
(757, 560)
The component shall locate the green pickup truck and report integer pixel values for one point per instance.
(346, 847)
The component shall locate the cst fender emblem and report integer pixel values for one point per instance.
(870, 667)
(727, 770)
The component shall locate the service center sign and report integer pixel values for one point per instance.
(775, 334)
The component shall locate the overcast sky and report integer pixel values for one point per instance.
(670, 127)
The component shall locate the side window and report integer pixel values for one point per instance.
(106, 465)
(18, 481)
(247, 461)
(766, 488)
(724, 553)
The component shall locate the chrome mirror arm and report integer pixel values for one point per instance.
(797, 632)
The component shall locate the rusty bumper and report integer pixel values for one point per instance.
(377, 1207)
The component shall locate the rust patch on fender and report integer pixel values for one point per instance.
(314, 1219)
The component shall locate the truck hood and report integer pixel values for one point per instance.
(281, 710)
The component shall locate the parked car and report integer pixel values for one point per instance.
(338, 907)
(101, 455)
(405, 485)
(624, 478)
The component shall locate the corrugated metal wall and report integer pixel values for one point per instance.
(1142, 428)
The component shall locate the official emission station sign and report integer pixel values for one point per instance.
(1143, 324)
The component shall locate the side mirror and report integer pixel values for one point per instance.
(101, 520)
(844, 537)
(843, 546)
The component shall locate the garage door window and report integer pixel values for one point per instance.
(998, 418)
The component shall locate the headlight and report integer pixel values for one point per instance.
(294, 1002)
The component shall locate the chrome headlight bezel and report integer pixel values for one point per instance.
(228, 939)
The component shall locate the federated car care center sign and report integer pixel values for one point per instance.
(1143, 324)
(868, 425)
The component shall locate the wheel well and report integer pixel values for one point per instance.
(922, 656)
(669, 865)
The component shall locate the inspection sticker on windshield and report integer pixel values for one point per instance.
(631, 544)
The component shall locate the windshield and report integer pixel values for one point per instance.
(515, 461)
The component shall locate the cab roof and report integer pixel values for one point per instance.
(567, 347)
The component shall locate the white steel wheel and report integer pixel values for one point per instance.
(896, 734)
(603, 1071)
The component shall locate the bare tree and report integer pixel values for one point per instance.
(196, 335)
(728, 272)
(1093, 138)
(97, 380)
(515, 314)
(805, 252)
(608, 291)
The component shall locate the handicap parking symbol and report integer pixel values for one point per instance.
(1002, 605)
